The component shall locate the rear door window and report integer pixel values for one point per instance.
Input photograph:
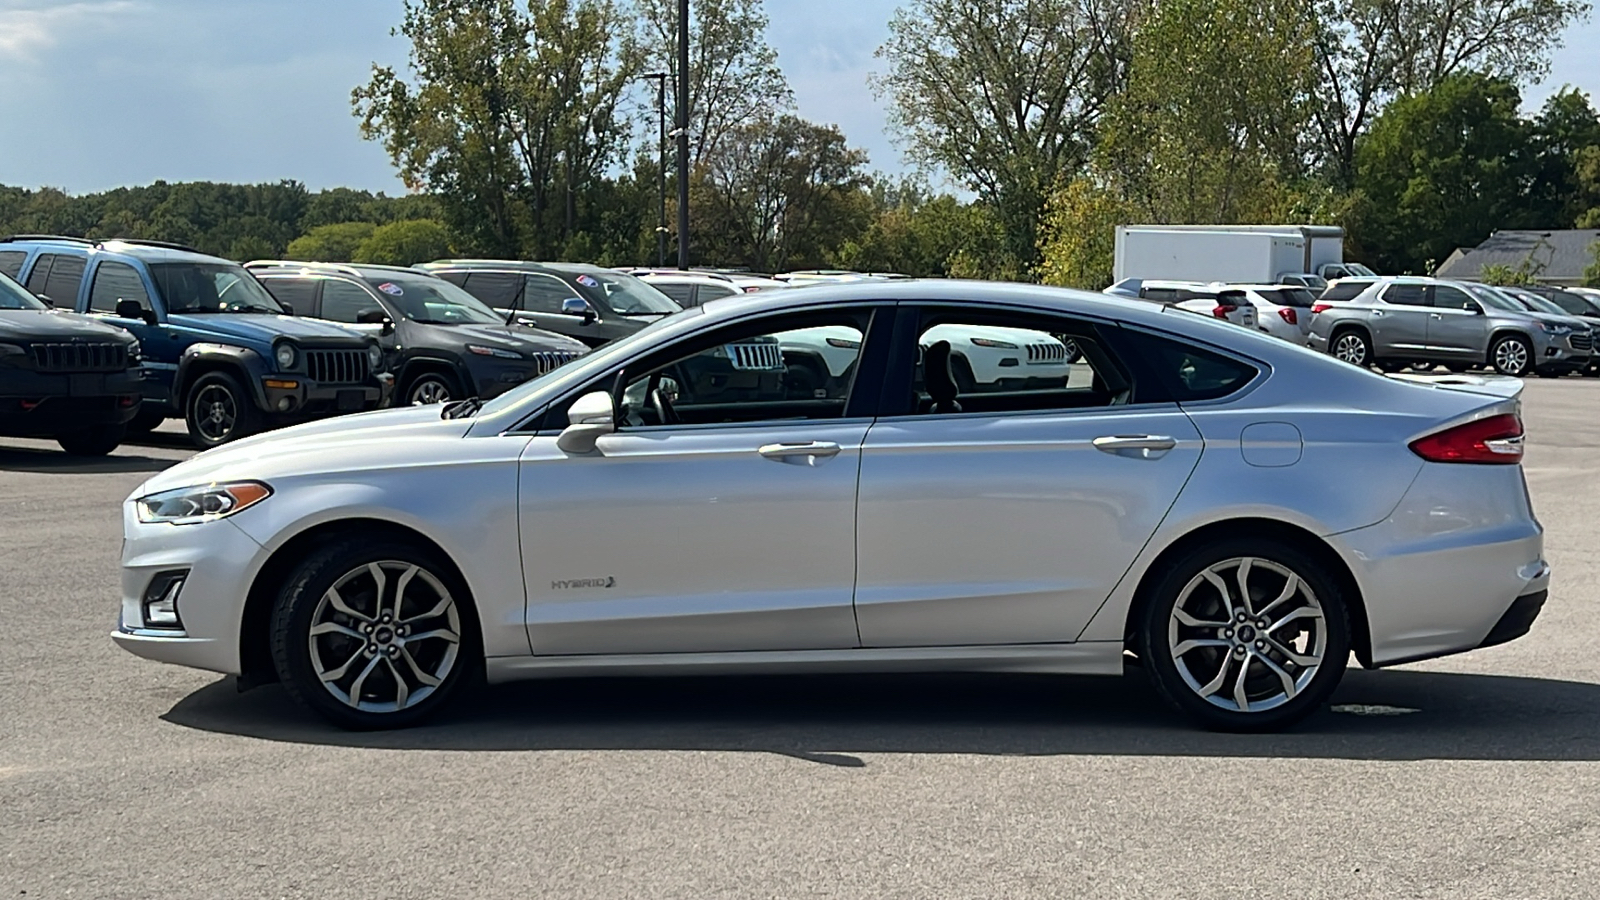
(498, 289)
(1299, 298)
(298, 294)
(680, 292)
(66, 274)
(1345, 291)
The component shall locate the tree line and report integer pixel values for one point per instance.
(529, 130)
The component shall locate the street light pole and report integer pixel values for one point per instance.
(683, 134)
(660, 78)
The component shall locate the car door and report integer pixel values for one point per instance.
(1457, 326)
(720, 516)
(113, 282)
(1399, 321)
(1003, 508)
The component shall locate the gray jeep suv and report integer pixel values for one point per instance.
(1395, 322)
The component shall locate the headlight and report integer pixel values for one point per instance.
(135, 354)
(285, 356)
(375, 356)
(201, 503)
(493, 351)
(993, 344)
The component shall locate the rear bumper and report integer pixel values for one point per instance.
(1518, 620)
(1450, 568)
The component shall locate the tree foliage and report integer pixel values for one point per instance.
(734, 79)
(1005, 95)
(405, 243)
(510, 117)
(330, 243)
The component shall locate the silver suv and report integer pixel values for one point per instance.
(1395, 322)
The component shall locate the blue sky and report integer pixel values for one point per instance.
(101, 93)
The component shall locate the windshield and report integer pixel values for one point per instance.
(1494, 298)
(626, 294)
(1297, 297)
(434, 301)
(1542, 304)
(15, 296)
(212, 288)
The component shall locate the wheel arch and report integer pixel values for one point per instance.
(422, 365)
(1300, 538)
(255, 640)
(202, 359)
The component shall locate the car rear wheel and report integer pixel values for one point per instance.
(1245, 635)
(374, 633)
(431, 387)
(91, 441)
(1351, 346)
(1511, 355)
(217, 410)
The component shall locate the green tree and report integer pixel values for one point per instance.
(777, 194)
(1444, 169)
(330, 243)
(734, 77)
(1371, 51)
(510, 116)
(405, 244)
(1005, 95)
(1078, 242)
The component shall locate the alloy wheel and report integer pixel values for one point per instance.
(1511, 357)
(429, 391)
(384, 636)
(1351, 348)
(1247, 634)
(216, 412)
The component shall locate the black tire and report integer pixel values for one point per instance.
(1501, 356)
(1385, 365)
(218, 409)
(148, 419)
(91, 441)
(431, 387)
(1351, 345)
(1158, 629)
(1458, 368)
(304, 603)
(1550, 373)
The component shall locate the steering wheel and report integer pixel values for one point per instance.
(662, 406)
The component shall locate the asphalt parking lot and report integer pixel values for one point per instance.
(123, 778)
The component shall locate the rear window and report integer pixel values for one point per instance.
(1343, 291)
(1192, 373)
(1299, 298)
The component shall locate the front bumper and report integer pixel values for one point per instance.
(221, 560)
(296, 397)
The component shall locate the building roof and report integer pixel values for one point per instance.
(1554, 257)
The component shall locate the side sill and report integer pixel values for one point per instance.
(1082, 658)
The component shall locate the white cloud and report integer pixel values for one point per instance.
(26, 28)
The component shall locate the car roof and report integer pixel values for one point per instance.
(358, 270)
(143, 250)
(520, 265)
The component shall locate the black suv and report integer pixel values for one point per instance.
(442, 343)
(589, 303)
(64, 376)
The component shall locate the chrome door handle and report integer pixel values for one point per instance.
(809, 448)
(1377, 313)
(1143, 446)
(1436, 315)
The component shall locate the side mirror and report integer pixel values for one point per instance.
(133, 309)
(45, 299)
(388, 326)
(372, 315)
(577, 306)
(287, 307)
(591, 417)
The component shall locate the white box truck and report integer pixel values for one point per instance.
(1235, 254)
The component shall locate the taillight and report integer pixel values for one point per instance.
(1287, 314)
(1221, 311)
(1496, 440)
(1320, 307)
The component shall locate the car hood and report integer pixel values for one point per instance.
(519, 337)
(54, 325)
(264, 328)
(355, 442)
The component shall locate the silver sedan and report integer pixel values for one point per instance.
(1238, 513)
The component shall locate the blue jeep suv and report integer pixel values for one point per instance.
(218, 350)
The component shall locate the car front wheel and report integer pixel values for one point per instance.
(217, 410)
(91, 441)
(1511, 355)
(1245, 635)
(431, 388)
(374, 633)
